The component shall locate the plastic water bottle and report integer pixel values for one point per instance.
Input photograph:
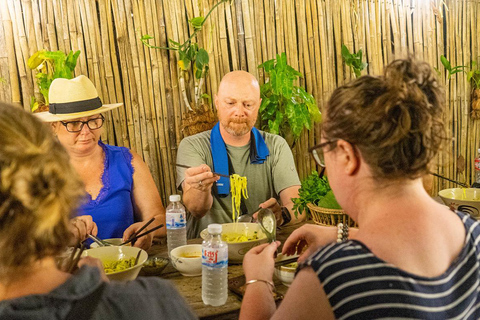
(477, 168)
(176, 223)
(214, 267)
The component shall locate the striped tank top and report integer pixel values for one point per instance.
(359, 285)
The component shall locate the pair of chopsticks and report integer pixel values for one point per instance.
(135, 234)
(286, 261)
(75, 257)
(133, 239)
(215, 173)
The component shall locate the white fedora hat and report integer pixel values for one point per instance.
(73, 98)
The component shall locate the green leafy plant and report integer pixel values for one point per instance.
(192, 61)
(286, 109)
(314, 190)
(51, 65)
(451, 70)
(353, 60)
(473, 75)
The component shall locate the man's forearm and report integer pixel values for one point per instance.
(197, 202)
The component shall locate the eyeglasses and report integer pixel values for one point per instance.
(77, 126)
(317, 152)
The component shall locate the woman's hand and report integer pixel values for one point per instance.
(82, 226)
(310, 237)
(259, 262)
(144, 242)
(93, 262)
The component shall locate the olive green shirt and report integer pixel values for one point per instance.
(264, 181)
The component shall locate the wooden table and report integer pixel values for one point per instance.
(191, 287)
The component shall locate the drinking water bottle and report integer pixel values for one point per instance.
(214, 267)
(176, 223)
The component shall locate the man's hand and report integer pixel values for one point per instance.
(200, 178)
(273, 205)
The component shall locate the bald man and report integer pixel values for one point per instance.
(234, 145)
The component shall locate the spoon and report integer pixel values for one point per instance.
(267, 221)
(247, 217)
(101, 243)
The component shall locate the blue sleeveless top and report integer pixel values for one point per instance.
(359, 285)
(112, 210)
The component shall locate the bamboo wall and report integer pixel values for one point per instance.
(239, 35)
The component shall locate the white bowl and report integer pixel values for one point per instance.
(237, 250)
(112, 241)
(115, 253)
(462, 199)
(187, 259)
(285, 273)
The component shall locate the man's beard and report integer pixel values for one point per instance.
(238, 127)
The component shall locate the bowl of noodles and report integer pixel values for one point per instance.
(119, 261)
(462, 199)
(240, 238)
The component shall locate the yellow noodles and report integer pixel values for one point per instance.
(238, 189)
(118, 265)
(238, 237)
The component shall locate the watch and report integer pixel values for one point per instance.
(286, 216)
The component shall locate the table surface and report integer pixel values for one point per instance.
(191, 287)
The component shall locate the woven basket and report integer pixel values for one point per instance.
(329, 217)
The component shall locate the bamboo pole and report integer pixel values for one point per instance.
(240, 35)
(13, 75)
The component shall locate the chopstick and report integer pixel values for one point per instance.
(74, 257)
(141, 229)
(141, 235)
(215, 173)
(138, 256)
(285, 261)
(442, 177)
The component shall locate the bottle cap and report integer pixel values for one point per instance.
(174, 197)
(214, 228)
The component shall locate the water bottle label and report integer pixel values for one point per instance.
(215, 257)
(477, 164)
(176, 220)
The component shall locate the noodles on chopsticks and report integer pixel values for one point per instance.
(238, 189)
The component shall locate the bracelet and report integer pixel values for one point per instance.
(272, 286)
(342, 232)
(287, 217)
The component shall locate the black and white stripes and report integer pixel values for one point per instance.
(361, 286)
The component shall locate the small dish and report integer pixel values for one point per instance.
(286, 273)
(155, 265)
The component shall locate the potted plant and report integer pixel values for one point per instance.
(286, 109)
(50, 65)
(353, 60)
(193, 69)
(316, 198)
(474, 76)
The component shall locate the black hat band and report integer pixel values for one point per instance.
(76, 106)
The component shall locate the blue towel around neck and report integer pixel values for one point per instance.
(258, 154)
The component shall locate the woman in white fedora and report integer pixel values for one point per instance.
(120, 192)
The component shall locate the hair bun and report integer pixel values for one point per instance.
(404, 73)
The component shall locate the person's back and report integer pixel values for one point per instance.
(360, 285)
(411, 257)
(39, 191)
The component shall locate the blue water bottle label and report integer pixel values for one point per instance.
(175, 220)
(215, 257)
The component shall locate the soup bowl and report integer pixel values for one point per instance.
(117, 254)
(187, 259)
(462, 199)
(240, 238)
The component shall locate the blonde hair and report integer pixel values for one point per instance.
(39, 191)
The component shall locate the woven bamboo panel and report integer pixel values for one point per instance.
(238, 35)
